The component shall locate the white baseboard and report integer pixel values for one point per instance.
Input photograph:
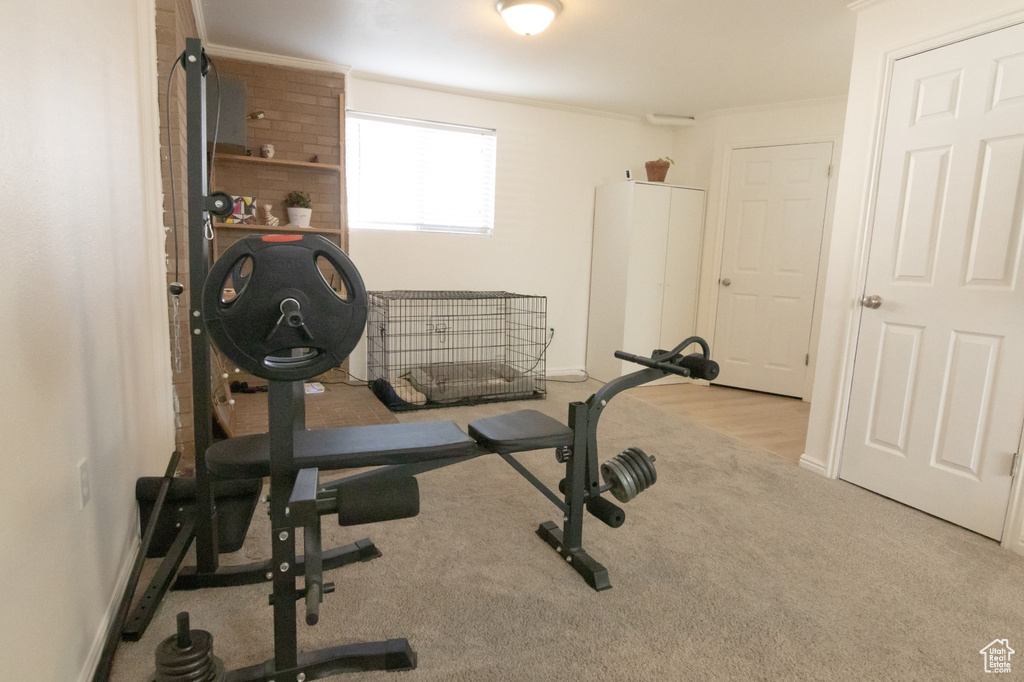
(565, 372)
(1015, 546)
(93, 659)
(813, 465)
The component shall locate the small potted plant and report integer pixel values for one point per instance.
(657, 170)
(300, 209)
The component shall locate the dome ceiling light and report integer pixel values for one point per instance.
(529, 17)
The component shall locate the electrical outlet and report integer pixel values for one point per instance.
(84, 489)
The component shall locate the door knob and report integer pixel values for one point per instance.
(726, 282)
(872, 302)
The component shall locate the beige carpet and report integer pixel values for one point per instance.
(735, 566)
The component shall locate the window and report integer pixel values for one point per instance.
(405, 174)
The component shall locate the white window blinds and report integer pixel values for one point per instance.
(405, 174)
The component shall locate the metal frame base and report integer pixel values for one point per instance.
(592, 571)
(392, 655)
(144, 610)
(189, 578)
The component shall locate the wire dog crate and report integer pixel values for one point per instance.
(442, 348)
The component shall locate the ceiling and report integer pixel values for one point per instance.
(674, 57)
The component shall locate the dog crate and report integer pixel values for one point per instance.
(442, 348)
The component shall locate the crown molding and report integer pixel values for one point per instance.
(478, 94)
(226, 52)
(197, 14)
(836, 99)
(859, 5)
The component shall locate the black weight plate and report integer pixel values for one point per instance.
(632, 483)
(644, 461)
(650, 465)
(613, 478)
(249, 329)
(638, 472)
(625, 481)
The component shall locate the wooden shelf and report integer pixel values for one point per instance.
(308, 165)
(290, 229)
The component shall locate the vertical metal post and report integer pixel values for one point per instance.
(576, 478)
(281, 406)
(207, 559)
(299, 402)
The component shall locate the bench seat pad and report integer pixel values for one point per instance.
(346, 448)
(520, 431)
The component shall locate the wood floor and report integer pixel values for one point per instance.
(770, 422)
(338, 406)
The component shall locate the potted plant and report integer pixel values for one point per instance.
(300, 209)
(657, 170)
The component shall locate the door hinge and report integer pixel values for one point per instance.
(1013, 466)
(807, 359)
(830, 170)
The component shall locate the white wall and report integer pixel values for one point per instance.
(549, 162)
(885, 30)
(702, 155)
(86, 372)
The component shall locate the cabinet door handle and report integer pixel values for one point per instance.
(725, 282)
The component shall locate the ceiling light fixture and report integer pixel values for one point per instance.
(529, 17)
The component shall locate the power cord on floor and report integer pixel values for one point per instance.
(355, 381)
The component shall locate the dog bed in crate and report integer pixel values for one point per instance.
(451, 382)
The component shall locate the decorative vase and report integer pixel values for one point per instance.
(299, 217)
(656, 170)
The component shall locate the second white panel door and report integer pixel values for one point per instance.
(775, 215)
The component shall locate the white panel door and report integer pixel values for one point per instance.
(937, 400)
(775, 214)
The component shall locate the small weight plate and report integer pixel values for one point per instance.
(645, 461)
(611, 477)
(638, 465)
(625, 479)
(639, 476)
(632, 478)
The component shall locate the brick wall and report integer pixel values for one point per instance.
(174, 23)
(303, 118)
(303, 113)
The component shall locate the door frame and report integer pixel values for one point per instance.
(709, 286)
(1013, 524)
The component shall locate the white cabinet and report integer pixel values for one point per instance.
(644, 271)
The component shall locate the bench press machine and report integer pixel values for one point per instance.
(286, 324)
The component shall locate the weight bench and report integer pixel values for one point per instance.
(344, 448)
(289, 341)
(287, 322)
